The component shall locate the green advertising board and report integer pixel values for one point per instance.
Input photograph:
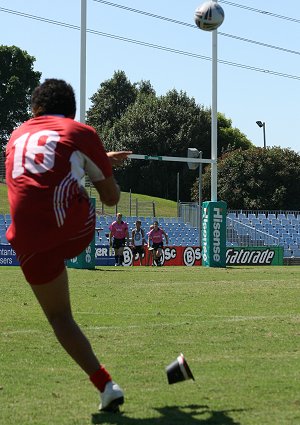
(86, 259)
(255, 256)
(214, 233)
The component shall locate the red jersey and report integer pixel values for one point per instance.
(46, 159)
(119, 230)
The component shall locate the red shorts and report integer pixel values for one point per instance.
(42, 267)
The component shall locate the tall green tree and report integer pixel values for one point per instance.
(131, 116)
(110, 102)
(167, 126)
(256, 178)
(17, 81)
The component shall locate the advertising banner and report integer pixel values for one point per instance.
(171, 256)
(86, 259)
(8, 256)
(214, 234)
(255, 256)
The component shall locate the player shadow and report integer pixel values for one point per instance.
(172, 415)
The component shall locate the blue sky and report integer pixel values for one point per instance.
(244, 95)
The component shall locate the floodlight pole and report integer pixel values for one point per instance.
(263, 126)
(83, 62)
(214, 115)
(264, 133)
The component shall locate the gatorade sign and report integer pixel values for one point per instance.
(255, 256)
(214, 234)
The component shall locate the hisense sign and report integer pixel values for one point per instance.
(214, 234)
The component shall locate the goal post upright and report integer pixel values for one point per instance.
(214, 212)
(214, 117)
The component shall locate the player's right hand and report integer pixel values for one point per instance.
(117, 158)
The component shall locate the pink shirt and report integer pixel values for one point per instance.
(156, 235)
(119, 230)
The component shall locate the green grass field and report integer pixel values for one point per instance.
(237, 327)
(163, 207)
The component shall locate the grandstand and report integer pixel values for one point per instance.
(179, 233)
(244, 228)
(5, 221)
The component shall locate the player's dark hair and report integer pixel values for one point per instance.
(54, 97)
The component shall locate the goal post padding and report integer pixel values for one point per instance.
(214, 233)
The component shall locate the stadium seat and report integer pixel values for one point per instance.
(296, 252)
(290, 216)
(254, 221)
(287, 253)
(231, 215)
(265, 221)
(284, 221)
(261, 216)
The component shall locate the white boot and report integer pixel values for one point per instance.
(111, 398)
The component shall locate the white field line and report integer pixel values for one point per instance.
(213, 319)
(20, 332)
(196, 316)
(267, 355)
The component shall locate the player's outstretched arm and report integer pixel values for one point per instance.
(117, 158)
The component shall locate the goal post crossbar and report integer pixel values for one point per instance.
(172, 159)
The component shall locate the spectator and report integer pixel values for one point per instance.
(156, 236)
(117, 238)
(52, 216)
(138, 241)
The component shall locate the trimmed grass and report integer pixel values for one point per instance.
(237, 327)
(4, 206)
(163, 207)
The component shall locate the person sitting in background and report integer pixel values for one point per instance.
(138, 241)
(156, 236)
(118, 236)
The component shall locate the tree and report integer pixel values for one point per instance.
(256, 178)
(17, 81)
(167, 125)
(110, 102)
(162, 125)
(130, 116)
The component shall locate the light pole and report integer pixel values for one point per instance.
(263, 126)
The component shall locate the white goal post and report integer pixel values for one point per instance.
(172, 159)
